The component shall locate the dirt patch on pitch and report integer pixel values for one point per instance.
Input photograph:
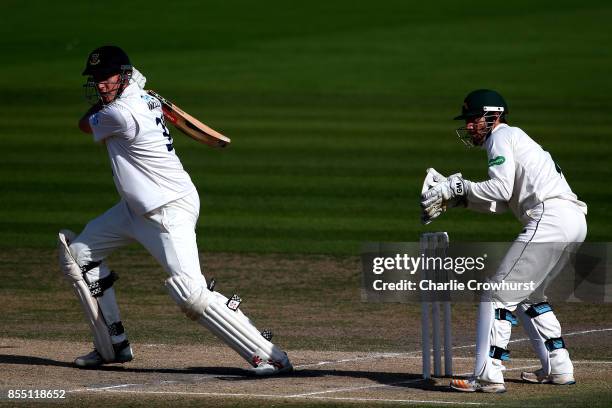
(193, 372)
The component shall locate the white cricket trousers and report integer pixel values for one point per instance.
(168, 233)
(552, 231)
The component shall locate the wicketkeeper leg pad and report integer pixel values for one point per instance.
(544, 331)
(494, 326)
(223, 317)
(94, 317)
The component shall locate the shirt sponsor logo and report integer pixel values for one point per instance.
(152, 103)
(497, 161)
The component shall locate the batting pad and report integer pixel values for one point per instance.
(235, 329)
(93, 315)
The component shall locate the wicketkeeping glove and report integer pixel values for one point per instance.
(434, 210)
(450, 193)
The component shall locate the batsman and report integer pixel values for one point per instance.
(523, 178)
(158, 208)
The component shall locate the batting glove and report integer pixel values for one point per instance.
(138, 78)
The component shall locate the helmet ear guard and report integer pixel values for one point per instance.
(491, 113)
(493, 108)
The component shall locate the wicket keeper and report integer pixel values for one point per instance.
(524, 178)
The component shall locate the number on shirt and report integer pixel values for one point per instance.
(160, 122)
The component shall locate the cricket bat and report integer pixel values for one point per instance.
(190, 125)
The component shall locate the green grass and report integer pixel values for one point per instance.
(312, 302)
(335, 110)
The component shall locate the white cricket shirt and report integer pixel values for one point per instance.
(146, 170)
(522, 175)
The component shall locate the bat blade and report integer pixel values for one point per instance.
(189, 125)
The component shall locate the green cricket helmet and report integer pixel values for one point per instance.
(481, 103)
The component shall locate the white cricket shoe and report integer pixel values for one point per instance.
(270, 367)
(538, 377)
(474, 385)
(123, 354)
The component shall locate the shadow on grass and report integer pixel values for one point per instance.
(402, 380)
(29, 360)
